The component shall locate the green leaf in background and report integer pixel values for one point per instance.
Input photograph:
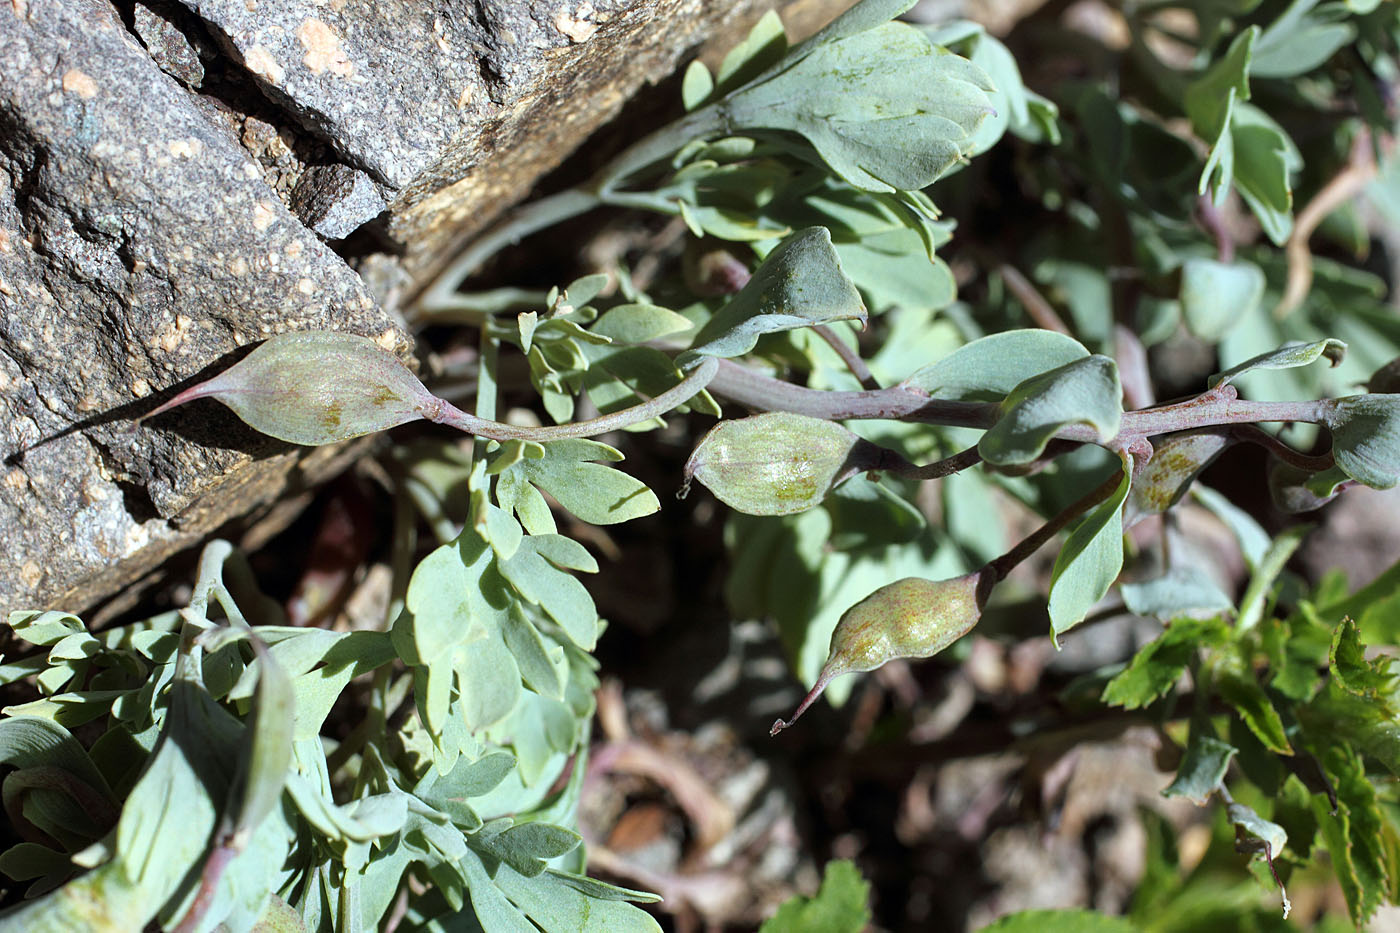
(1265, 159)
(841, 906)
(1355, 835)
(1202, 767)
(1059, 921)
(1210, 102)
(1215, 295)
(1178, 592)
(1302, 38)
(1286, 357)
(989, 368)
(1237, 685)
(1156, 668)
(799, 284)
(1366, 438)
(1347, 662)
(1090, 561)
(1085, 391)
(884, 108)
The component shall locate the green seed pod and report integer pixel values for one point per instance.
(317, 387)
(909, 618)
(779, 463)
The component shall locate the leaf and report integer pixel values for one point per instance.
(777, 463)
(556, 592)
(44, 628)
(989, 368)
(884, 108)
(1264, 159)
(697, 85)
(1090, 560)
(1366, 438)
(316, 387)
(1285, 357)
(595, 493)
(1179, 591)
(1059, 921)
(1086, 392)
(34, 742)
(1215, 295)
(1301, 39)
(1347, 662)
(799, 284)
(842, 905)
(638, 323)
(1210, 102)
(1157, 667)
(527, 846)
(1202, 768)
(1362, 865)
(1270, 565)
(1254, 540)
(438, 613)
(558, 907)
(265, 753)
(764, 46)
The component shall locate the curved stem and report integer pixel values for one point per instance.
(946, 467)
(1024, 548)
(1254, 435)
(848, 356)
(694, 383)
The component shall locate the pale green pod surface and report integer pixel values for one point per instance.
(1366, 438)
(909, 618)
(777, 463)
(317, 387)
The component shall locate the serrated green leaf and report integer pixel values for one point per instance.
(1285, 357)
(1237, 685)
(842, 905)
(1090, 561)
(800, 283)
(1158, 666)
(1202, 767)
(1085, 391)
(1347, 662)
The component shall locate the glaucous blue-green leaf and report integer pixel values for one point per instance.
(1090, 560)
(842, 905)
(1266, 571)
(893, 271)
(35, 742)
(1202, 767)
(1265, 158)
(799, 284)
(1180, 591)
(989, 368)
(1270, 835)
(777, 463)
(1366, 438)
(437, 612)
(638, 323)
(1210, 102)
(526, 847)
(557, 907)
(44, 628)
(1302, 38)
(1214, 294)
(762, 48)
(1157, 667)
(1085, 391)
(593, 492)
(488, 681)
(539, 581)
(885, 108)
(1352, 670)
(265, 753)
(1285, 357)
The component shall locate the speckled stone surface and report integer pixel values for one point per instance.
(139, 244)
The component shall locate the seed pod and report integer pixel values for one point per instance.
(909, 618)
(317, 387)
(778, 463)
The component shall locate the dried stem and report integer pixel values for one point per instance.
(1345, 185)
(1040, 310)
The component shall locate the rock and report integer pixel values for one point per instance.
(147, 232)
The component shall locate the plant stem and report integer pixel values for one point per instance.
(440, 293)
(848, 356)
(1001, 566)
(1254, 435)
(1040, 310)
(958, 462)
(694, 383)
